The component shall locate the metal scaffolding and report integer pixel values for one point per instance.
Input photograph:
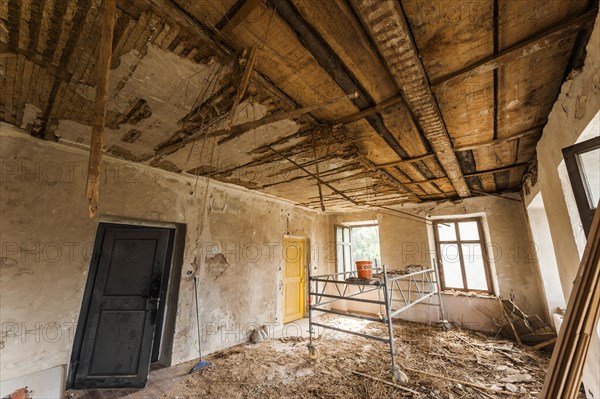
(400, 292)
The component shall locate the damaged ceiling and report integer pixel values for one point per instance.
(371, 103)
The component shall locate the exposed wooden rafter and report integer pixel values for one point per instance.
(522, 49)
(92, 191)
(406, 161)
(387, 26)
(369, 111)
(474, 174)
(527, 133)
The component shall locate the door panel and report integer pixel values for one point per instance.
(293, 279)
(119, 328)
(120, 340)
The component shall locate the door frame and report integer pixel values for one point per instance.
(169, 307)
(307, 265)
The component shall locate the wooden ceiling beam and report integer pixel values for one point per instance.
(406, 161)
(92, 191)
(234, 16)
(428, 181)
(474, 174)
(369, 111)
(522, 49)
(497, 170)
(527, 133)
(387, 26)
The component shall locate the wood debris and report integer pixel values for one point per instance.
(441, 364)
(526, 329)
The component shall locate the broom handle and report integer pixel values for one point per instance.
(197, 314)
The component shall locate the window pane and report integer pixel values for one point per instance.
(365, 244)
(347, 258)
(474, 267)
(346, 234)
(339, 255)
(338, 234)
(446, 232)
(468, 231)
(451, 266)
(590, 174)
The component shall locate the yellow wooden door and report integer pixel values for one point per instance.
(293, 279)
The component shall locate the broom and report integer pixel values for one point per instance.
(201, 363)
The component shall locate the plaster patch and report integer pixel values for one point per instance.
(219, 202)
(216, 265)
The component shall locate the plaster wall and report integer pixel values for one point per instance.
(405, 241)
(233, 242)
(574, 109)
(570, 120)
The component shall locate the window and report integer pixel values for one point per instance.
(462, 255)
(583, 165)
(343, 249)
(360, 242)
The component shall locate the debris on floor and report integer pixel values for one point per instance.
(259, 334)
(440, 364)
(528, 329)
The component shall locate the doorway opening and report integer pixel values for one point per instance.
(122, 317)
(294, 254)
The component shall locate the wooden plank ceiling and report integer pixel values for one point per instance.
(452, 97)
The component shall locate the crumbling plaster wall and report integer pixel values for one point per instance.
(405, 241)
(576, 106)
(47, 239)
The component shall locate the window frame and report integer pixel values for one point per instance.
(342, 244)
(351, 265)
(459, 242)
(570, 155)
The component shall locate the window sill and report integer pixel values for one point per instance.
(470, 294)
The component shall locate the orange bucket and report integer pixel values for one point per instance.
(364, 268)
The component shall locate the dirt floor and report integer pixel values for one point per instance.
(280, 368)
